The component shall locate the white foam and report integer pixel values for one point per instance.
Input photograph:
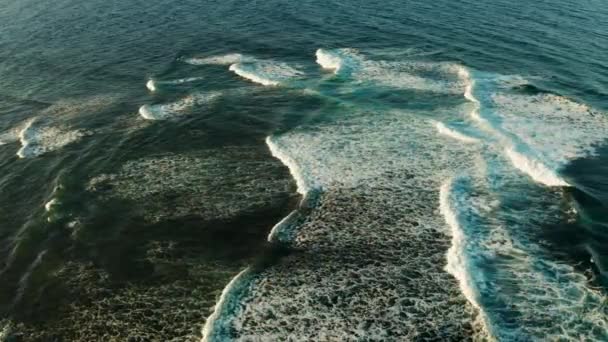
(9, 137)
(38, 138)
(265, 72)
(536, 170)
(5, 332)
(176, 109)
(215, 321)
(398, 74)
(364, 246)
(329, 60)
(228, 59)
(152, 85)
(456, 256)
(539, 134)
(287, 160)
(450, 132)
(278, 228)
(49, 205)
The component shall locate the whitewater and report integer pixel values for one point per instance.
(342, 181)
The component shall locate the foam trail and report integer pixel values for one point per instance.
(214, 325)
(457, 264)
(536, 170)
(443, 129)
(227, 59)
(328, 60)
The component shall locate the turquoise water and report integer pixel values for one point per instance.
(312, 170)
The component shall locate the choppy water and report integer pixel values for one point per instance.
(311, 170)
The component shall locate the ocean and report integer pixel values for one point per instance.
(338, 170)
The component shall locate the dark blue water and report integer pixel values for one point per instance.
(372, 170)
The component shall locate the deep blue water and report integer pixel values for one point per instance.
(373, 170)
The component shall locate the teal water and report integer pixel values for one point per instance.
(372, 171)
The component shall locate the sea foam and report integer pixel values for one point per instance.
(227, 59)
(539, 133)
(265, 72)
(329, 60)
(452, 133)
(153, 85)
(178, 108)
(39, 137)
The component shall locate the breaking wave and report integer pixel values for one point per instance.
(452, 133)
(176, 109)
(38, 137)
(153, 85)
(265, 72)
(227, 59)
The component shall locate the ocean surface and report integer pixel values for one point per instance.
(338, 170)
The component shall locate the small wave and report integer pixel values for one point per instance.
(329, 60)
(175, 109)
(216, 326)
(227, 59)
(457, 264)
(536, 170)
(265, 72)
(153, 85)
(432, 77)
(450, 132)
(37, 138)
(294, 168)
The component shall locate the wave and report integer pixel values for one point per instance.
(227, 59)
(178, 108)
(329, 60)
(216, 325)
(536, 170)
(295, 170)
(458, 263)
(413, 75)
(38, 137)
(362, 247)
(538, 133)
(153, 85)
(265, 72)
(450, 132)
